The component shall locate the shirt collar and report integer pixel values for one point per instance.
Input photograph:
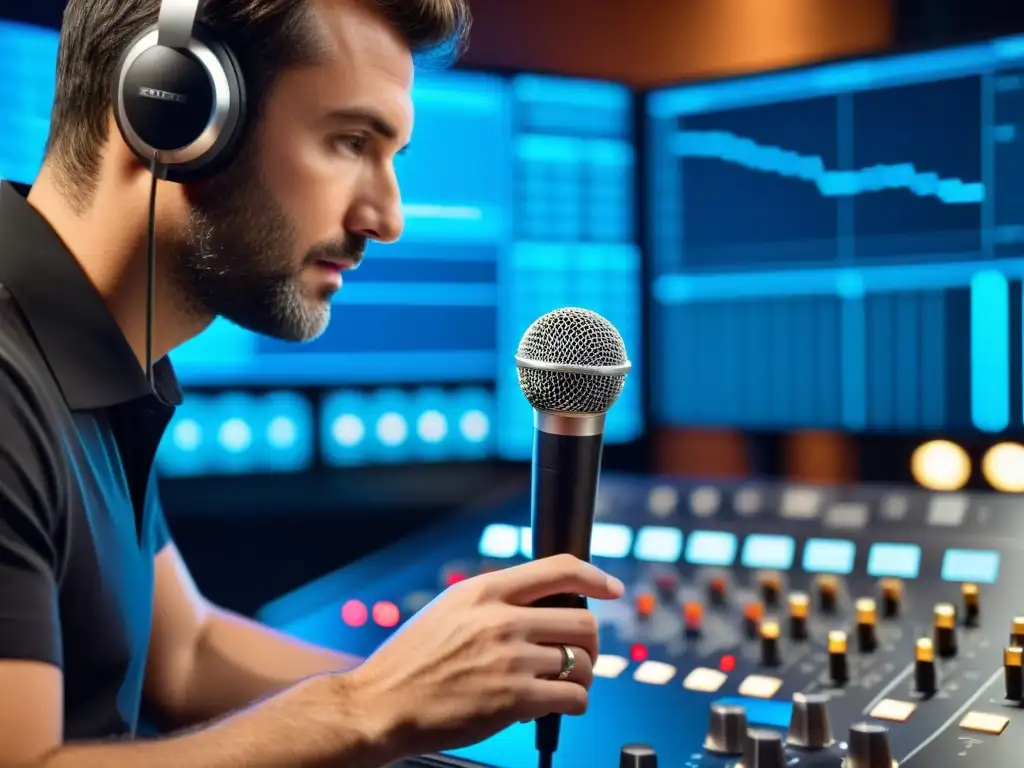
(84, 347)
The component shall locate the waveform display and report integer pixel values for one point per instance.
(843, 246)
(727, 147)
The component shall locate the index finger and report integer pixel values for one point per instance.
(562, 574)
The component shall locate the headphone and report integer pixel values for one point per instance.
(179, 96)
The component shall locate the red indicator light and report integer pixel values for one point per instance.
(638, 653)
(455, 577)
(386, 614)
(727, 663)
(354, 613)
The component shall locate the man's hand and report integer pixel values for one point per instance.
(479, 658)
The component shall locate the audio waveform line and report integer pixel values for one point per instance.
(745, 152)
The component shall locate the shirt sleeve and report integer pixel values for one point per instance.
(30, 478)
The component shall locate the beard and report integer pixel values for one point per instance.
(240, 260)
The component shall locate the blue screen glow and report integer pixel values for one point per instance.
(829, 556)
(499, 541)
(864, 281)
(611, 540)
(239, 434)
(711, 548)
(518, 198)
(973, 565)
(900, 561)
(762, 550)
(657, 544)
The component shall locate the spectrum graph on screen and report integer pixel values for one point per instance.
(518, 199)
(842, 246)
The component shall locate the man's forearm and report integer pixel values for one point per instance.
(310, 724)
(237, 661)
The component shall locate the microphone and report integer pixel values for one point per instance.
(572, 366)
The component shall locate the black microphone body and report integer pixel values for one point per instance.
(565, 474)
(566, 470)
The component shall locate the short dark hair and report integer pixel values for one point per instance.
(268, 36)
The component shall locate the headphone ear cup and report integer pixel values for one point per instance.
(187, 106)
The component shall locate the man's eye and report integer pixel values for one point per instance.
(351, 143)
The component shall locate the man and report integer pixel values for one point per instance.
(98, 614)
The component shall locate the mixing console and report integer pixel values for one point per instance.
(764, 626)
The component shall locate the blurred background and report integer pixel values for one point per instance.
(806, 219)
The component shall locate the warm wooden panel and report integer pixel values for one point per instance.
(701, 453)
(820, 457)
(645, 42)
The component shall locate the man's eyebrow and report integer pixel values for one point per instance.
(368, 117)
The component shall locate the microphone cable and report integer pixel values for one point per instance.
(154, 170)
(548, 729)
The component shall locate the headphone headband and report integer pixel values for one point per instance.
(175, 23)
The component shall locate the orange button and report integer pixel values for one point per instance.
(692, 614)
(645, 605)
(754, 612)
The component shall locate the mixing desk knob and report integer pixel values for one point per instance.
(770, 654)
(971, 597)
(638, 756)
(799, 607)
(1017, 632)
(693, 615)
(666, 584)
(727, 730)
(925, 678)
(717, 591)
(869, 747)
(645, 605)
(945, 630)
(838, 669)
(828, 593)
(867, 624)
(753, 614)
(771, 588)
(892, 596)
(1013, 673)
(763, 749)
(808, 724)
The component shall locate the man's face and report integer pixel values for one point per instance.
(269, 238)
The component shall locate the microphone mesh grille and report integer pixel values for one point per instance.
(578, 337)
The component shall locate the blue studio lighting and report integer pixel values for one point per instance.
(238, 433)
(392, 425)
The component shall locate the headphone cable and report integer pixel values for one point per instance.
(154, 168)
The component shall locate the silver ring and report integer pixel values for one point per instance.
(568, 662)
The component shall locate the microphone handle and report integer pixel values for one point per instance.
(566, 470)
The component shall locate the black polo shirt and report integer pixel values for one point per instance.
(80, 521)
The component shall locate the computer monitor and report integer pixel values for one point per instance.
(841, 246)
(518, 198)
